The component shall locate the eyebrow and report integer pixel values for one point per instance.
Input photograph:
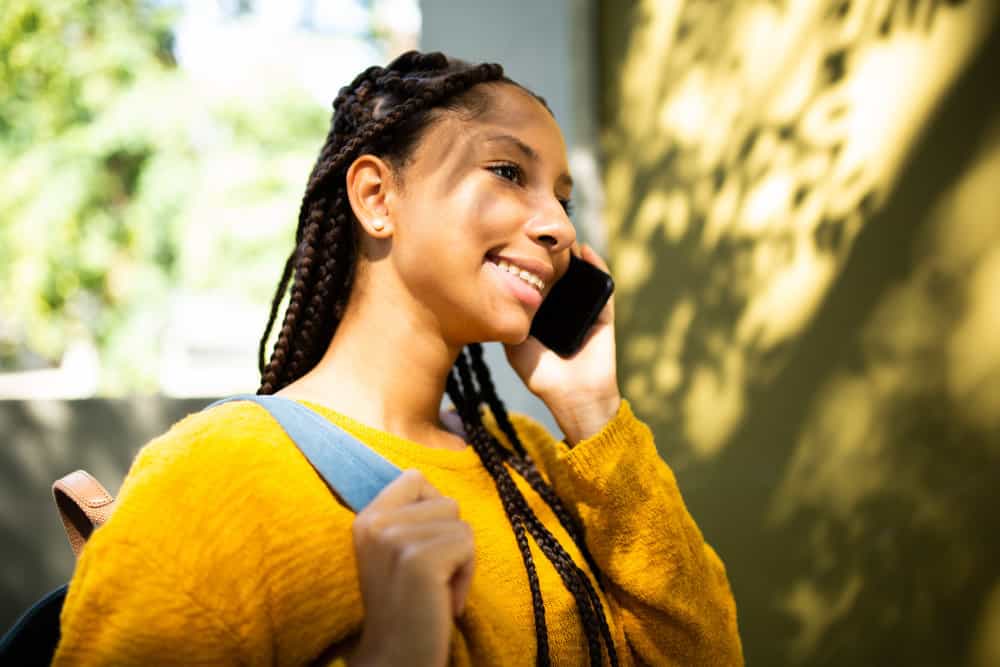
(528, 152)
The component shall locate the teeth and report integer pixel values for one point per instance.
(526, 276)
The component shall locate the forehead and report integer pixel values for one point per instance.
(507, 103)
(507, 109)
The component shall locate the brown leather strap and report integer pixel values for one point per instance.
(83, 506)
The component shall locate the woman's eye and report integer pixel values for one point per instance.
(511, 172)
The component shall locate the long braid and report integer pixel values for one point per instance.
(304, 324)
(494, 467)
(286, 274)
(591, 609)
(524, 466)
(275, 371)
(576, 581)
(384, 111)
(527, 469)
(557, 556)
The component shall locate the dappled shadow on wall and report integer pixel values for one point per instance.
(803, 212)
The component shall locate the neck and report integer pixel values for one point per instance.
(386, 366)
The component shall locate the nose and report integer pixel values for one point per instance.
(552, 228)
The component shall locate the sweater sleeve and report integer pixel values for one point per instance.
(224, 549)
(668, 587)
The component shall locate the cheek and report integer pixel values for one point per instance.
(464, 227)
(493, 218)
(442, 241)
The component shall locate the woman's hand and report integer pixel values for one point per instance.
(415, 562)
(581, 391)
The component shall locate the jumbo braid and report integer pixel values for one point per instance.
(331, 270)
(465, 404)
(560, 560)
(524, 466)
(427, 98)
(274, 372)
(314, 212)
(575, 580)
(309, 322)
(527, 469)
(591, 611)
(286, 274)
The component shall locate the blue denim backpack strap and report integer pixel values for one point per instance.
(354, 471)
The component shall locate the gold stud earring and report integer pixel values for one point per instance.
(378, 224)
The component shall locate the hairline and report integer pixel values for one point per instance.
(453, 108)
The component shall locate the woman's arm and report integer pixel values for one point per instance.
(667, 586)
(127, 607)
(670, 587)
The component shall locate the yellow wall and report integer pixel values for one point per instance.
(804, 222)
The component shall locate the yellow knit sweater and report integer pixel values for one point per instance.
(227, 548)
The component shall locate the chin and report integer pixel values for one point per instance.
(511, 332)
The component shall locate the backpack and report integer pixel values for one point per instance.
(353, 471)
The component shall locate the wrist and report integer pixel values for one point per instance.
(580, 418)
(369, 652)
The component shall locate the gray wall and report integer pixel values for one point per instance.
(43, 440)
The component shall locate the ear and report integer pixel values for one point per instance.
(369, 188)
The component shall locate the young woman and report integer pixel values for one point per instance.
(435, 219)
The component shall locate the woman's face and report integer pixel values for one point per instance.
(481, 230)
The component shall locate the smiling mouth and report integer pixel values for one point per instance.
(525, 275)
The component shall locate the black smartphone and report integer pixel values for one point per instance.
(571, 307)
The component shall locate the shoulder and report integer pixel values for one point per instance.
(227, 438)
(219, 520)
(233, 461)
(214, 492)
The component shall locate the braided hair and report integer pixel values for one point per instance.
(384, 112)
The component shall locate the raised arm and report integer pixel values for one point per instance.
(668, 587)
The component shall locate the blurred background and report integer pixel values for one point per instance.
(799, 199)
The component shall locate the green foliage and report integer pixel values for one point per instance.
(124, 182)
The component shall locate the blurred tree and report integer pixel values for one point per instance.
(118, 186)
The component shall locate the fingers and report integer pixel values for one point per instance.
(410, 494)
(410, 498)
(433, 509)
(440, 553)
(415, 559)
(411, 528)
(409, 487)
(607, 314)
(401, 536)
(591, 256)
(460, 583)
(450, 554)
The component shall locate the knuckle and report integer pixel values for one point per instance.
(361, 527)
(411, 475)
(449, 506)
(391, 537)
(467, 537)
(367, 524)
(412, 558)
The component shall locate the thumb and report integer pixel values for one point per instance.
(461, 581)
